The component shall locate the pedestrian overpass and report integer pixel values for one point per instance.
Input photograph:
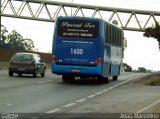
(42, 10)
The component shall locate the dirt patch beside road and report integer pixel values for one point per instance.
(153, 80)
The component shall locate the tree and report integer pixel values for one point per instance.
(15, 40)
(154, 32)
(3, 36)
(127, 68)
(142, 69)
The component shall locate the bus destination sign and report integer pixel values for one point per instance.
(78, 28)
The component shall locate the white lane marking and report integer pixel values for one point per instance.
(112, 87)
(44, 81)
(105, 90)
(142, 110)
(91, 96)
(8, 104)
(53, 111)
(122, 83)
(99, 93)
(81, 100)
(109, 88)
(69, 105)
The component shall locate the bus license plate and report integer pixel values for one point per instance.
(76, 70)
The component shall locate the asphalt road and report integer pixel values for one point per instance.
(49, 94)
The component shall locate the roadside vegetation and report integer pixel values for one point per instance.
(153, 80)
(14, 40)
(153, 32)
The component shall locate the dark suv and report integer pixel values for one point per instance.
(27, 63)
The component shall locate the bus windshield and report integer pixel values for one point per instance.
(75, 28)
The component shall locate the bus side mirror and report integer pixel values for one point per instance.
(125, 43)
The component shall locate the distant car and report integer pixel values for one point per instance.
(27, 63)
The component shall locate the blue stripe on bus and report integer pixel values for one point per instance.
(61, 69)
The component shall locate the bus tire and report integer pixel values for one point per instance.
(71, 78)
(19, 74)
(105, 80)
(65, 78)
(115, 78)
(102, 79)
(10, 73)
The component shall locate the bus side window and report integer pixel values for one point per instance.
(121, 38)
(112, 35)
(118, 38)
(107, 33)
(115, 34)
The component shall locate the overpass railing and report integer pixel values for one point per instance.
(128, 19)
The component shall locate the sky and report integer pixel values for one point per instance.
(140, 51)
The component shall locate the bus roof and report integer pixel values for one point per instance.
(78, 17)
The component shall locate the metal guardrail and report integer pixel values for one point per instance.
(128, 19)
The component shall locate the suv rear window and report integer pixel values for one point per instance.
(22, 57)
